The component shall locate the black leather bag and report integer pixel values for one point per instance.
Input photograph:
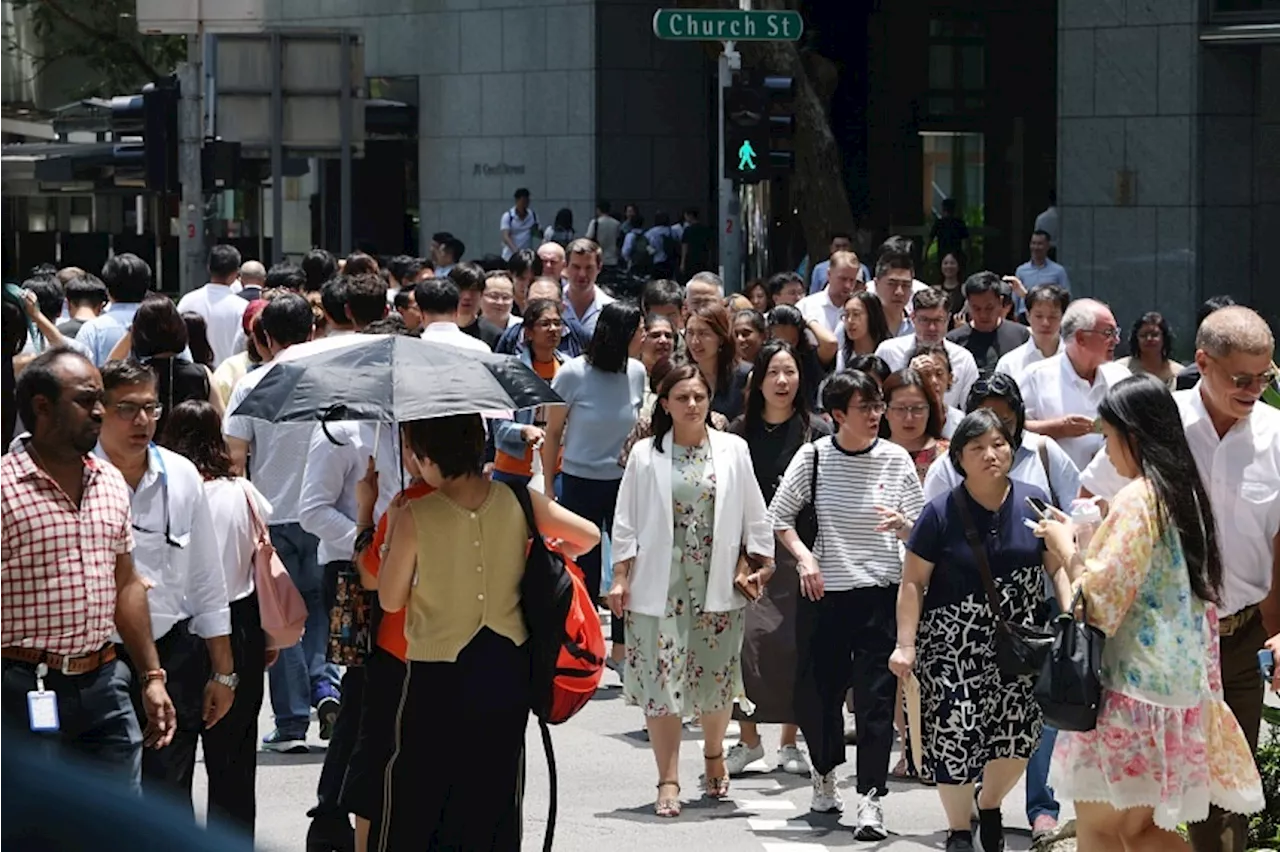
(807, 517)
(1021, 649)
(1069, 690)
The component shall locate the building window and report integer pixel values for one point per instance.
(957, 68)
(1258, 11)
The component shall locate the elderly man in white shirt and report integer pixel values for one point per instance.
(1062, 393)
(176, 554)
(221, 308)
(1045, 308)
(931, 327)
(844, 277)
(1235, 440)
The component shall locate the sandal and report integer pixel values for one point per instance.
(903, 771)
(667, 807)
(716, 786)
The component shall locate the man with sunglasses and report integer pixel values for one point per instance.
(1062, 393)
(1235, 440)
(176, 554)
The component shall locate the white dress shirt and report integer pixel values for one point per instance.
(448, 332)
(277, 451)
(818, 306)
(1014, 364)
(223, 311)
(233, 530)
(643, 528)
(964, 370)
(1241, 473)
(327, 505)
(175, 547)
(1027, 468)
(1052, 389)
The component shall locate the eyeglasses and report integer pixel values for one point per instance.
(128, 411)
(910, 410)
(996, 384)
(869, 408)
(1112, 333)
(1246, 381)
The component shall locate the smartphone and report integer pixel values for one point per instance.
(1038, 506)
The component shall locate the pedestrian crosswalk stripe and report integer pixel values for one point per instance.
(757, 824)
(765, 805)
(794, 847)
(754, 784)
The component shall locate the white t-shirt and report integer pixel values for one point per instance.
(964, 370)
(1014, 364)
(818, 306)
(222, 311)
(521, 230)
(233, 530)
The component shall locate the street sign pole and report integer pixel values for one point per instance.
(730, 221)
(191, 252)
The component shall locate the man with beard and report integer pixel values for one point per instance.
(69, 582)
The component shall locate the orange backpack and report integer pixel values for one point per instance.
(566, 644)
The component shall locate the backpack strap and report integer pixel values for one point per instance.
(1048, 474)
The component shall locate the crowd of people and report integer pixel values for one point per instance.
(797, 502)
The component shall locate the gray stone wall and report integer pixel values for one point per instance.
(1128, 108)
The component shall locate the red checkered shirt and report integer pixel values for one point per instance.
(57, 561)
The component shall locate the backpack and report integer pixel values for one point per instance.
(641, 254)
(671, 247)
(566, 644)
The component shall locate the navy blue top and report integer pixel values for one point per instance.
(938, 537)
(573, 342)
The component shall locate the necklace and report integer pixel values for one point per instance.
(770, 428)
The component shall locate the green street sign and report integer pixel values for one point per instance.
(726, 25)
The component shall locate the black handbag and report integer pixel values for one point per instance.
(1021, 649)
(1069, 690)
(807, 517)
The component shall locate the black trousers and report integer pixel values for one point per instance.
(846, 639)
(463, 791)
(596, 500)
(346, 731)
(231, 746)
(168, 771)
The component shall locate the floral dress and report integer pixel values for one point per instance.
(1165, 739)
(689, 661)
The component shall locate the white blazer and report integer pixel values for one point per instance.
(644, 523)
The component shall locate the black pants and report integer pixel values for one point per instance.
(846, 638)
(376, 741)
(231, 746)
(168, 771)
(464, 790)
(345, 733)
(595, 500)
(96, 718)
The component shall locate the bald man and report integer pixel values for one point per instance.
(1235, 440)
(553, 260)
(252, 276)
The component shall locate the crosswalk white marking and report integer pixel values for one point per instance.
(794, 847)
(765, 805)
(757, 824)
(754, 784)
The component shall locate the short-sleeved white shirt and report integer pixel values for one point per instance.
(1051, 388)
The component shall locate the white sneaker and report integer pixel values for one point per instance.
(870, 819)
(739, 755)
(792, 760)
(826, 798)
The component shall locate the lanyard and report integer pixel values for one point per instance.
(158, 457)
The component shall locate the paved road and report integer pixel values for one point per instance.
(606, 793)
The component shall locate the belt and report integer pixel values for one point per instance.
(1232, 623)
(68, 665)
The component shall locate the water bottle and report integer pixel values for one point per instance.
(1085, 516)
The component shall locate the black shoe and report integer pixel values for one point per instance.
(327, 712)
(990, 837)
(331, 833)
(959, 841)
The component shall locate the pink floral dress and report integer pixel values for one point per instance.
(1165, 738)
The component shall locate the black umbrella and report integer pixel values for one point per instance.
(394, 379)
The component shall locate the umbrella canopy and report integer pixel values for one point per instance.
(393, 379)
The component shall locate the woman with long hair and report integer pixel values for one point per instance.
(952, 284)
(913, 418)
(689, 495)
(978, 722)
(194, 430)
(777, 422)
(561, 230)
(709, 342)
(454, 562)
(862, 327)
(602, 390)
(1166, 745)
(788, 325)
(539, 349)
(933, 363)
(758, 292)
(1151, 349)
(198, 339)
(750, 331)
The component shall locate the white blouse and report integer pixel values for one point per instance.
(233, 531)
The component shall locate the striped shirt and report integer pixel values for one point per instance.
(850, 553)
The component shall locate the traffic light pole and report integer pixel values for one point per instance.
(730, 221)
(191, 252)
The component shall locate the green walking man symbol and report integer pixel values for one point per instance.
(746, 157)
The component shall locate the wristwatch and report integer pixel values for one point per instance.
(155, 674)
(230, 681)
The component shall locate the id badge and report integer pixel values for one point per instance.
(42, 710)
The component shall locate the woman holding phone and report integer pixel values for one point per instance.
(689, 493)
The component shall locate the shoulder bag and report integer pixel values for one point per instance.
(283, 611)
(1021, 649)
(807, 517)
(1048, 475)
(1069, 690)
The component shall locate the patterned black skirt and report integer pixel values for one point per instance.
(972, 713)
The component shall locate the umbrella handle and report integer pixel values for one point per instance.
(324, 425)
